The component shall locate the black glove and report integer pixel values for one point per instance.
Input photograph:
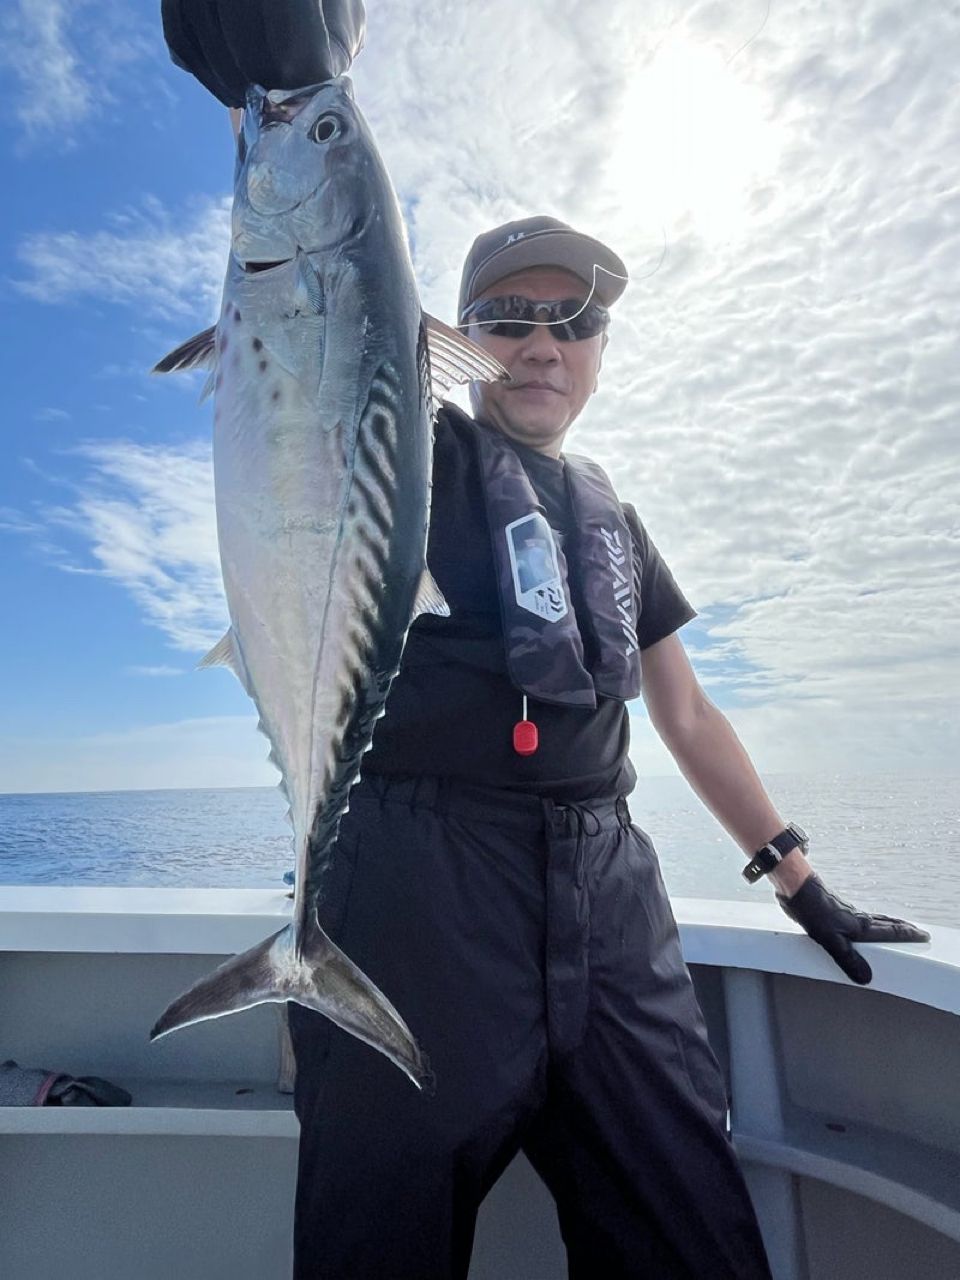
(836, 925)
(279, 44)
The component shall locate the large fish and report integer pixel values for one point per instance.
(321, 364)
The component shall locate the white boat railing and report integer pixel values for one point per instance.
(845, 1101)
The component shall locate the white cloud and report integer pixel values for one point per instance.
(148, 259)
(160, 671)
(785, 735)
(13, 521)
(215, 751)
(147, 515)
(40, 51)
(68, 59)
(51, 414)
(780, 399)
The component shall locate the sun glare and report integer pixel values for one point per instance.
(694, 138)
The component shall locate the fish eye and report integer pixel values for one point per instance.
(326, 128)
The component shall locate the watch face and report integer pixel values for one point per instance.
(800, 834)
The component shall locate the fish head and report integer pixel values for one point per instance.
(308, 175)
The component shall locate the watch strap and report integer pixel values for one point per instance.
(773, 852)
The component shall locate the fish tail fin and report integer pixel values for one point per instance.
(317, 975)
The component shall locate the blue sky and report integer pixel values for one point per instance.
(780, 397)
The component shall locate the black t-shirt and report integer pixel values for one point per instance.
(452, 707)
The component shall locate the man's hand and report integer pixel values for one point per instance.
(836, 925)
(230, 44)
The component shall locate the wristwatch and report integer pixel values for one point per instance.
(772, 854)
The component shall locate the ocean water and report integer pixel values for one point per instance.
(887, 843)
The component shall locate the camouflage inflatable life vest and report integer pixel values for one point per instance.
(544, 646)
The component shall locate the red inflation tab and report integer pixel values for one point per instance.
(525, 738)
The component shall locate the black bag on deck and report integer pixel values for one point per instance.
(35, 1087)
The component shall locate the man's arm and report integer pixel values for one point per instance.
(713, 761)
(711, 757)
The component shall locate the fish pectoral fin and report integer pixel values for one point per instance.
(429, 598)
(317, 975)
(198, 352)
(208, 387)
(455, 359)
(225, 653)
(309, 283)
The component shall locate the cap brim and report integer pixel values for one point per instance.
(593, 262)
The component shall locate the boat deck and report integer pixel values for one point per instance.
(845, 1101)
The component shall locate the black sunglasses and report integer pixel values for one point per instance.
(513, 316)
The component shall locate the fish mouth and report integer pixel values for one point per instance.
(253, 267)
(358, 226)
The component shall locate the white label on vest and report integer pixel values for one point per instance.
(533, 560)
(622, 589)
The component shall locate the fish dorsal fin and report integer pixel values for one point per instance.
(225, 654)
(455, 359)
(430, 598)
(198, 352)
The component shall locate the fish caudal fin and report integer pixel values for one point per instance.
(321, 977)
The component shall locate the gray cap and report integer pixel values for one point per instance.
(540, 242)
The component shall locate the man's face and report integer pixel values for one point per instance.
(550, 380)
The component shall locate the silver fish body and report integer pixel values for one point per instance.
(322, 458)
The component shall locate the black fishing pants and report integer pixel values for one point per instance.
(531, 949)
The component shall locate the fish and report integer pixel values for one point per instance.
(326, 375)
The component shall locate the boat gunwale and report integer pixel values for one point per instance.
(222, 921)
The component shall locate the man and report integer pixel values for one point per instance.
(503, 900)
(488, 877)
